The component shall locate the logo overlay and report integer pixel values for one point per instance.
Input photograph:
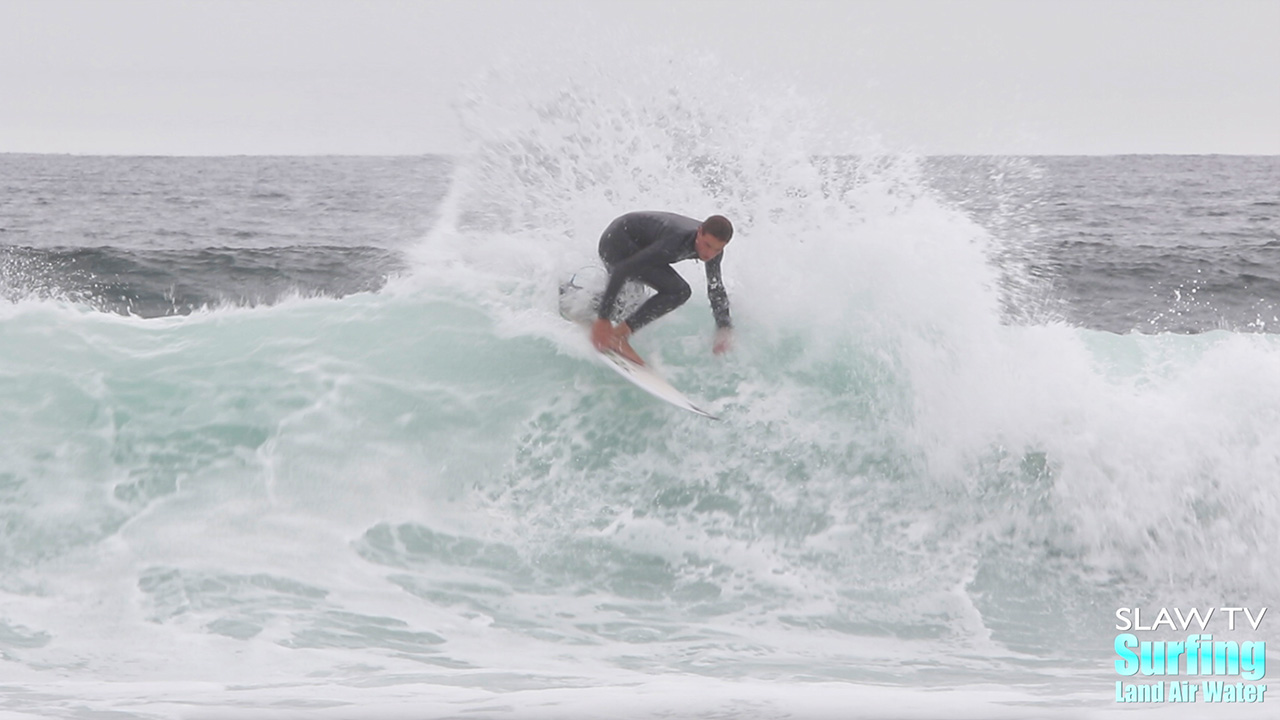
(1222, 671)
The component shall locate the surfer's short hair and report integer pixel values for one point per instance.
(719, 227)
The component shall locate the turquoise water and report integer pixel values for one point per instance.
(384, 496)
(427, 499)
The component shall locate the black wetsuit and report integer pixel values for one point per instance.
(642, 246)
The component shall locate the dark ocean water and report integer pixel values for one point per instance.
(1137, 242)
(1127, 243)
(156, 236)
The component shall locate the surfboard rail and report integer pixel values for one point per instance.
(645, 378)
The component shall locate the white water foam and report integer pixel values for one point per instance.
(429, 500)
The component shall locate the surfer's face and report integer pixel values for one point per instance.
(707, 245)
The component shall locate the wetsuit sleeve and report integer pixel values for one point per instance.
(651, 255)
(717, 294)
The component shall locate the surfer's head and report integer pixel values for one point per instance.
(713, 234)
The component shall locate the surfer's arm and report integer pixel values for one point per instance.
(716, 293)
(719, 306)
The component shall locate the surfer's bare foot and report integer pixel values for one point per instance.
(605, 336)
(602, 334)
(624, 348)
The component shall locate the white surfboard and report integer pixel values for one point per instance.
(578, 304)
(651, 382)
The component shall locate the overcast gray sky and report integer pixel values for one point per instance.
(379, 76)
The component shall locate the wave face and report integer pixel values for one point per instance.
(422, 492)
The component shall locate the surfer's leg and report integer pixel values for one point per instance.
(672, 290)
(615, 246)
(632, 295)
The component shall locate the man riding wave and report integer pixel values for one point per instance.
(642, 247)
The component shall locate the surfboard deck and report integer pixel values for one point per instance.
(577, 304)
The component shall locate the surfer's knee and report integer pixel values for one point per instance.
(680, 293)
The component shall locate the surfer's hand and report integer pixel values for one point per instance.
(723, 342)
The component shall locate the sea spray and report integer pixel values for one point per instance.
(433, 486)
(871, 307)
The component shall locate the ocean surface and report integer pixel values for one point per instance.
(306, 437)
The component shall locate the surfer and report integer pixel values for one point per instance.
(642, 246)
